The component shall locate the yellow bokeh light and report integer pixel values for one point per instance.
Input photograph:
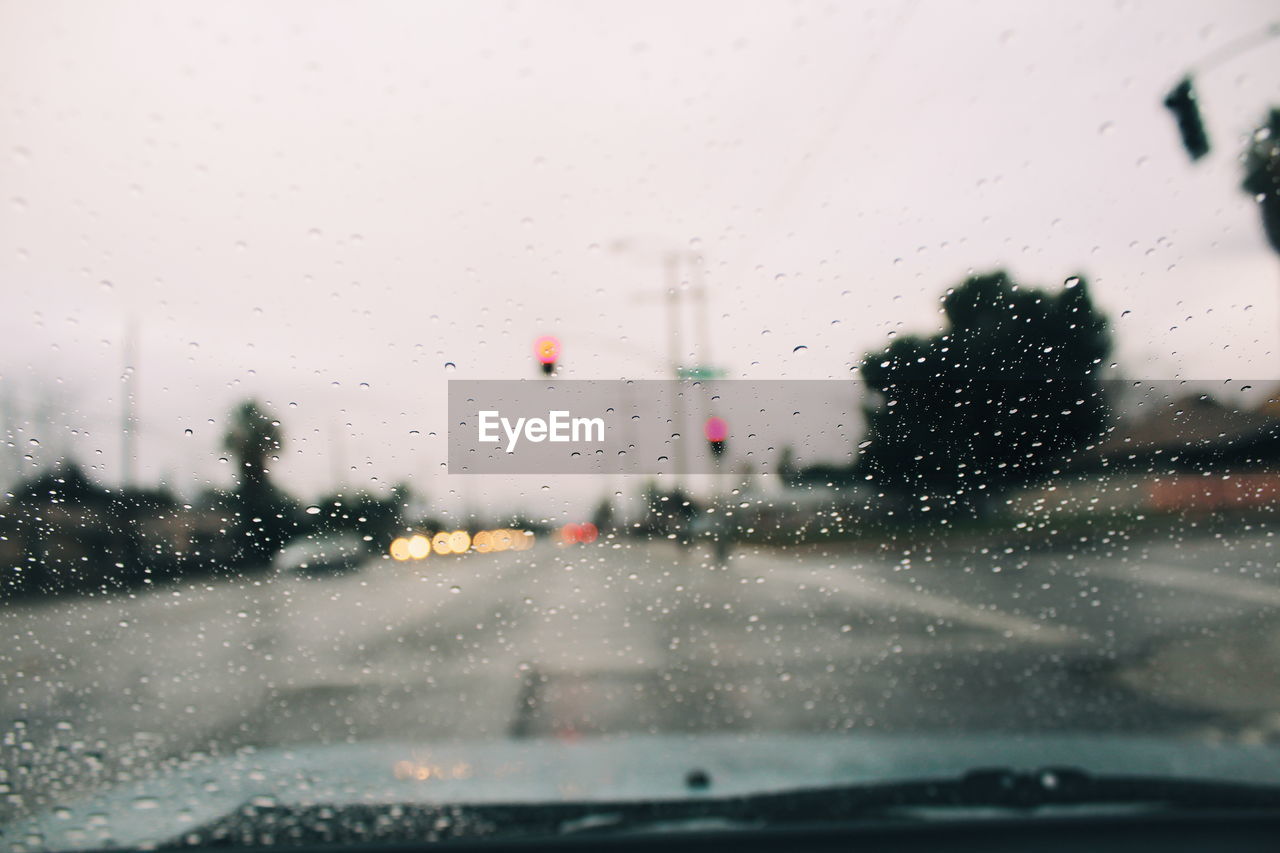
(400, 549)
(483, 541)
(459, 541)
(501, 540)
(419, 547)
(440, 543)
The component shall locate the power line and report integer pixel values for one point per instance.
(800, 172)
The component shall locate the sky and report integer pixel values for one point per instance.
(336, 208)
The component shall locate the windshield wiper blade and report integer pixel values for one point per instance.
(994, 788)
(1010, 789)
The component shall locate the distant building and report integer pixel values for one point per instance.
(1192, 453)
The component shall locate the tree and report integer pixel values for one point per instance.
(1011, 384)
(1262, 175)
(602, 517)
(254, 438)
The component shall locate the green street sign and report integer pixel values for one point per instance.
(699, 372)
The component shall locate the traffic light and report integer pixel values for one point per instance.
(717, 431)
(547, 350)
(1182, 103)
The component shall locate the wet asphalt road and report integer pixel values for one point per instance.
(629, 636)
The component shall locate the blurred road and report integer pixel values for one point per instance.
(634, 637)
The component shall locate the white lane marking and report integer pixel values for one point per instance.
(1021, 627)
(1196, 580)
(849, 582)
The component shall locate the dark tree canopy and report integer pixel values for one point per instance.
(266, 515)
(1010, 384)
(252, 437)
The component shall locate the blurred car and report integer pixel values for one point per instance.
(321, 553)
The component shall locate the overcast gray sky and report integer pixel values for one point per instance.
(292, 199)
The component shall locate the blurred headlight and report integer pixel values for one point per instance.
(419, 547)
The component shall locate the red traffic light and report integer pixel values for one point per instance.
(716, 430)
(547, 349)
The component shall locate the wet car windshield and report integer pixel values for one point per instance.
(418, 404)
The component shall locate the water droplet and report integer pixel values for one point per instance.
(313, 510)
(455, 589)
(449, 366)
(799, 348)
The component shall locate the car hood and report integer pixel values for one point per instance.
(182, 796)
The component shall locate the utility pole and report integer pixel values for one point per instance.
(673, 295)
(699, 291)
(671, 266)
(337, 473)
(128, 407)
